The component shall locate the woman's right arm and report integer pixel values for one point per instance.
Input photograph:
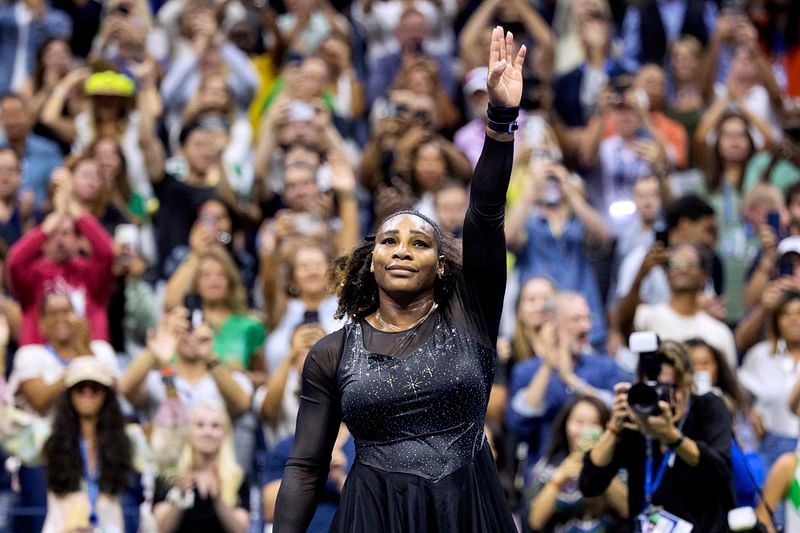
(776, 488)
(318, 423)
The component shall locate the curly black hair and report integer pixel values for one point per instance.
(355, 285)
(62, 455)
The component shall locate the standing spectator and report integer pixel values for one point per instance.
(89, 456)
(306, 24)
(38, 156)
(25, 26)
(17, 215)
(549, 239)
(769, 371)
(651, 26)
(683, 317)
(540, 386)
(468, 137)
(48, 257)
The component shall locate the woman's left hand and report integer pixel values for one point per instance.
(505, 70)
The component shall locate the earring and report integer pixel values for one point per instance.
(372, 267)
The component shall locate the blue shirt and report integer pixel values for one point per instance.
(41, 157)
(534, 425)
(563, 261)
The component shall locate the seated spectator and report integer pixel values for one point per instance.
(18, 213)
(549, 239)
(556, 500)
(682, 317)
(48, 257)
(238, 335)
(26, 24)
(411, 33)
(540, 386)
(642, 277)
(210, 491)
(650, 27)
(769, 372)
(279, 400)
(296, 291)
(38, 371)
(88, 456)
(38, 156)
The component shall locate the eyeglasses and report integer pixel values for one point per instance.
(675, 264)
(90, 387)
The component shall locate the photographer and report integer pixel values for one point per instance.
(687, 473)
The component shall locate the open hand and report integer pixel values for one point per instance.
(505, 70)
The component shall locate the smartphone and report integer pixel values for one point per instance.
(774, 221)
(643, 134)
(663, 237)
(194, 303)
(127, 236)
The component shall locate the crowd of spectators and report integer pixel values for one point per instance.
(177, 176)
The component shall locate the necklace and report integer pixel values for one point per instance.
(392, 327)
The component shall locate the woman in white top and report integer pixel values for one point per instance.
(769, 371)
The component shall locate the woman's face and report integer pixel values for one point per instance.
(789, 321)
(734, 146)
(212, 283)
(532, 302)
(430, 166)
(214, 217)
(582, 419)
(87, 398)
(106, 153)
(685, 62)
(743, 66)
(207, 431)
(703, 361)
(310, 267)
(405, 258)
(215, 93)
(57, 57)
(58, 319)
(420, 82)
(86, 180)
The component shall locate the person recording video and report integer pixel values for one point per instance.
(674, 444)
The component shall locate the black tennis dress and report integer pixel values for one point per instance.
(414, 401)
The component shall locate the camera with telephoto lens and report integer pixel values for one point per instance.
(643, 397)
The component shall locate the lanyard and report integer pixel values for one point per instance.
(54, 353)
(651, 485)
(92, 485)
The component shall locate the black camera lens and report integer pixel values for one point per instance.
(643, 399)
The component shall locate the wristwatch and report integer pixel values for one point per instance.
(674, 445)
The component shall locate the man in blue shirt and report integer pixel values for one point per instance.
(542, 385)
(38, 156)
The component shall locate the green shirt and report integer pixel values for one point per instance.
(237, 339)
(784, 174)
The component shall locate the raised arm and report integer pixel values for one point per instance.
(484, 266)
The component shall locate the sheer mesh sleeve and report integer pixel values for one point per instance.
(484, 261)
(317, 426)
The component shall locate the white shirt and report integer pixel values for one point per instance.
(655, 286)
(284, 426)
(669, 325)
(36, 361)
(770, 377)
(202, 391)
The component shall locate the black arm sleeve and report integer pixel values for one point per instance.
(594, 480)
(318, 424)
(484, 262)
(714, 442)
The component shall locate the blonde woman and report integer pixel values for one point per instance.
(209, 490)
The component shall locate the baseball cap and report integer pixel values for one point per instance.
(475, 80)
(87, 368)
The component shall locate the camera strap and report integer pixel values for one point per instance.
(651, 485)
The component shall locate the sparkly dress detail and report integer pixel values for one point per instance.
(415, 400)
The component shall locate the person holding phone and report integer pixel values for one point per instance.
(557, 503)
